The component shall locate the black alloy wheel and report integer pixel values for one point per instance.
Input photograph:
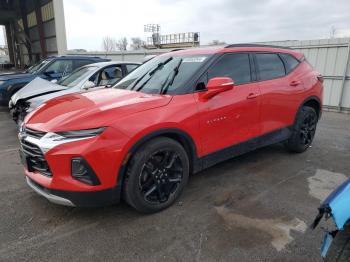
(161, 176)
(156, 175)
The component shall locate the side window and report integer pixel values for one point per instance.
(109, 76)
(290, 62)
(235, 66)
(60, 66)
(130, 67)
(270, 66)
(82, 62)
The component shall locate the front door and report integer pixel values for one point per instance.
(231, 117)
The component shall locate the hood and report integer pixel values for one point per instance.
(35, 88)
(5, 77)
(40, 99)
(91, 109)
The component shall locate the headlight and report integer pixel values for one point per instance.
(81, 133)
(51, 140)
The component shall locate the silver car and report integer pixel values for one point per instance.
(38, 91)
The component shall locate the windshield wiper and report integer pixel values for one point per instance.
(152, 72)
(167, 84)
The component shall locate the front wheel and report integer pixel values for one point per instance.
(339, 251)
(156, 175)
(303, 130)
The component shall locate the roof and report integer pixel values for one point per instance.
(83, 57)
(103, 64)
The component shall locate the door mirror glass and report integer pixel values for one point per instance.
(218, 85)
(88, 85)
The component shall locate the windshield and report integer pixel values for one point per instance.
(163, 74)
(77, 76)
(36, 68)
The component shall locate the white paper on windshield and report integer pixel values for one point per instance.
(197, 59)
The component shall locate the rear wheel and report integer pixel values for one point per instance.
(339, 251)
(156, 175)
(303, 130)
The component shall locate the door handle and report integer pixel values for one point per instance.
(295, 83)
(252, 95)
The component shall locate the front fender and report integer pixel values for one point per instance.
(337, 206)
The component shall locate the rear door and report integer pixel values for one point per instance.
(230, 117)
(279, 85)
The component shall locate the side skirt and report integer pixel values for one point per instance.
(242, 148)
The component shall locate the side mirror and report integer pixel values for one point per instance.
(217, 85)
(88, 85)
(54, 81)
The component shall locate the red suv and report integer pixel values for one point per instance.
(173, 116)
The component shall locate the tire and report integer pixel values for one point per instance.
(156, 175)
(303, 130)
(339, 251)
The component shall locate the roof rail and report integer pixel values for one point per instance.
(177, 49)
(256, 45)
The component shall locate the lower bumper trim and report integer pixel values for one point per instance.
(48, 196)
(105, 197)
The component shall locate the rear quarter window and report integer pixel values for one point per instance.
(270, 66)
(290, 62)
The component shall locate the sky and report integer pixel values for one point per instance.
(232, 21)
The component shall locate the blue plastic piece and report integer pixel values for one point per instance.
(326, 243)
(339, 202)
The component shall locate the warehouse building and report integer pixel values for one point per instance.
(35, 29)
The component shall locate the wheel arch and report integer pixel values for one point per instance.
(315, 103)
(311, 101)
(176, 134)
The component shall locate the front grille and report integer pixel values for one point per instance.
(35, 158)
(34, 133)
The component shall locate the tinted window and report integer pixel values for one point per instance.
(79, 63)
(163, 74)
(270, 66)
(235, 66)
(60, 66)
(130, 68)
(289, 61)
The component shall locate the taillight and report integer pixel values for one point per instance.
(320, 78)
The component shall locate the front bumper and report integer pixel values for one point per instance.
(49, 173)
(77, 199)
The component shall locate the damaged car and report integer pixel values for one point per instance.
(51, 68)
(93, 76)
(336, 242)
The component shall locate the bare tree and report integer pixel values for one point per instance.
(122, 44)
(137, 43)
(108, 44)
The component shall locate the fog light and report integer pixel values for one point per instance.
(83, 172)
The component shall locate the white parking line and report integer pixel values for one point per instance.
(4, 151)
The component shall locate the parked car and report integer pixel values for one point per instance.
(336, 241)
(49, 69)
(103, 74)
(175, 115)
